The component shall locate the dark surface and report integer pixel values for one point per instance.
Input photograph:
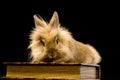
(90, 22)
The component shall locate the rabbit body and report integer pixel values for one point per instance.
(50, 42)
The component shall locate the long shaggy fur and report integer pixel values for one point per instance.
(50, 42)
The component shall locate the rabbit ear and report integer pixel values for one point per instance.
(39, 21)
(54, 22)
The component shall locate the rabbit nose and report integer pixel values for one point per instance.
(52, 56)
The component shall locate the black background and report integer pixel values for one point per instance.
(95, 23)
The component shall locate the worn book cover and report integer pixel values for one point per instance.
(49, 71)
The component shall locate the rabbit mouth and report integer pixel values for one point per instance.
(49, 59)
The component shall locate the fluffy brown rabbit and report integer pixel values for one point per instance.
(50, 42)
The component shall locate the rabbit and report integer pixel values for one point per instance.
(51, 42)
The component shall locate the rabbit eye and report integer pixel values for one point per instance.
(42, 41)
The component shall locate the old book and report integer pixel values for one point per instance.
(49, 71)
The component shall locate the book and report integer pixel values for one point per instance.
(49, 71)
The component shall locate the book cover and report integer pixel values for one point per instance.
(49, 71)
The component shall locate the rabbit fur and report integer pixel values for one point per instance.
(50, 42)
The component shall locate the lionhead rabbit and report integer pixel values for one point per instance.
(50, 42)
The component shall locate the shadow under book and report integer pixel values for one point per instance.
(37, 71)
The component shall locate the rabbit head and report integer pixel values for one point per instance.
(49, 41)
